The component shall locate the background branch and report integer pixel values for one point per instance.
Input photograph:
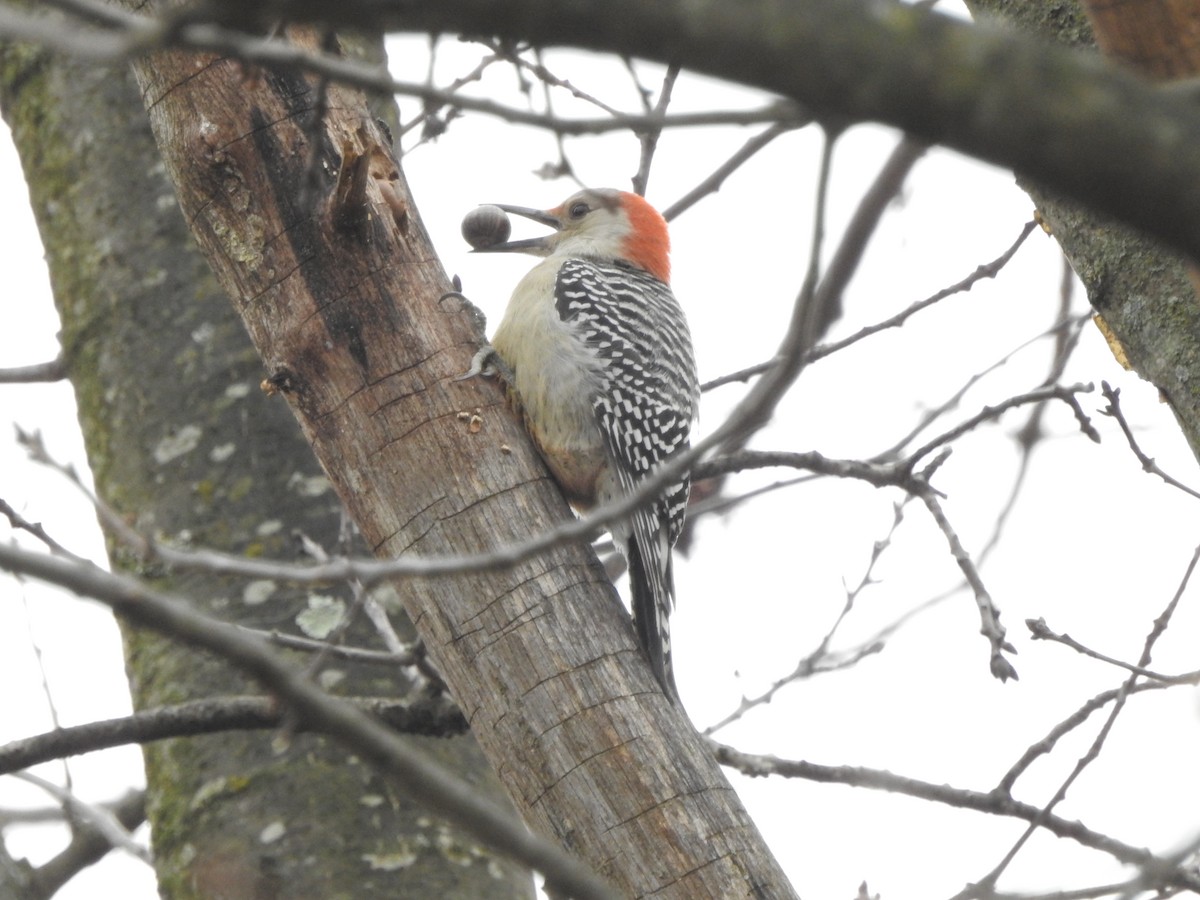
(425, 781)
(432, 716)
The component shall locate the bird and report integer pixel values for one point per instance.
(598, 360)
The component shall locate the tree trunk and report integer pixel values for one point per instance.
(1144, 292)
(311, 231)
(180, 437)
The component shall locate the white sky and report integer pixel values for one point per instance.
(1095, 546)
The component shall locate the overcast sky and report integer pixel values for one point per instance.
(1095, 545)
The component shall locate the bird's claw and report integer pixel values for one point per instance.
(486, 363)
(480, 364)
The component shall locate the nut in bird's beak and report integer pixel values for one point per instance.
(534, 245)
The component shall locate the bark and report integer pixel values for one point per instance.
(180, 437)
(333, 274)
(1145, 293)
(1158, 37)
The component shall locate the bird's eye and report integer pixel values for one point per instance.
(579, 210)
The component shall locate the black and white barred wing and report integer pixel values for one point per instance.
(644, 407)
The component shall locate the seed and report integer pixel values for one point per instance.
(486, 226)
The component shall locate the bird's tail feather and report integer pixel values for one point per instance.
(651, 598)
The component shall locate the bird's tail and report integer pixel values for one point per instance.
(652, 596)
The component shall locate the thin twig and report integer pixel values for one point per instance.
(1029, 435)
(96, 816)
(956, 398)
(337, 651)
(1047, 744)
(20, 523)
(992, 802)
(1113, 396)
(819, 660)
(988, 270)
(564, 167)
(427, 716)
(1093, 751)
(548, 78)
(789, 362)
(87, 846)
(746, 152)
(1040, 631)
(1154, 873)
(54, 370)
(1052, 392)
(989, 614)
(430, 107)
(881, 473)
(649, 139)
(863, 225)
(815, 663)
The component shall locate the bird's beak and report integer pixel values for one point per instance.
(529, 245)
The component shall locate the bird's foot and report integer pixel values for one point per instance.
(487, 363)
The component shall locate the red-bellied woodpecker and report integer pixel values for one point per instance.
(601, 365)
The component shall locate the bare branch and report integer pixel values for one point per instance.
(989, 615)
(1088, 893)
(815, 663)
(1040, 631)
(992, 802)
(955, 399)
(1153, 875)
(988, 270)
(55, 815)
(54, 370)
(891, 473)
(141, 34)
(1066, 340)
(882, 74)
(431, 717)
(97, 817)
(20, 523)
(549, 79)
(1093, 751)
(1113, 396)
(431, 107)
(1077, 718)
(883, 190)
(338, 651)
(820, 659)
(426, 781)
(1066, 394)
(755, 409)
(563, 166)
(649, 138)
(88, 845)
(901, 475)
(713, 182)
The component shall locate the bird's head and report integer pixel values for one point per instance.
(599, 223)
